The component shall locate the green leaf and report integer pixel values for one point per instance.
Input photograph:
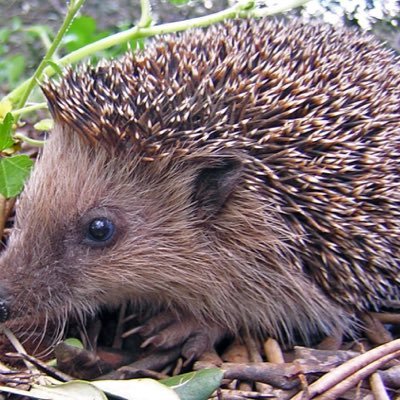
(6, 140)
(198, 385)
(136, 389)
(44, 124)
(13, 173)
(74, 342)
(80, 33)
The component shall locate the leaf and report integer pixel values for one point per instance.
(6, 140)
(80, 33)
(13, 173)
(5, 108)
(137, 389)
(198, 385)
(74, 342)
(45, 124)
(75, 390)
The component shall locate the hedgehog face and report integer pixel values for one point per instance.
(95, 229)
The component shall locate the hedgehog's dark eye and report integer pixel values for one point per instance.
(100, 230)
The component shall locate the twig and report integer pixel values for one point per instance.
(378, 388)
(54, 373)
(365, 364)
(243, 394)
(283, 376)
(273, 351)
(355, 378)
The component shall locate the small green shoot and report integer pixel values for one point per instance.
(45, 124)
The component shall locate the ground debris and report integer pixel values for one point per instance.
(252, 369)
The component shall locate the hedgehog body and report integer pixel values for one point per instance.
(245, 176)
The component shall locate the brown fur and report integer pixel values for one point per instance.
(307, 233)
(237, 272)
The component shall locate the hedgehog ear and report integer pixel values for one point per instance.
(214, 184)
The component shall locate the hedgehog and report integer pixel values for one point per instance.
(239, 178)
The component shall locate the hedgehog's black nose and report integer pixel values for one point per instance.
(4, 305)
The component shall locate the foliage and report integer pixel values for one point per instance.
(14, 169)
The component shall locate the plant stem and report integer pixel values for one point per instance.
(30, 83)
(17, 346)
(27, 109)
(26, 139)
(145, 17)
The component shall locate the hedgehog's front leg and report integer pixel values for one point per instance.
(166, 330)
